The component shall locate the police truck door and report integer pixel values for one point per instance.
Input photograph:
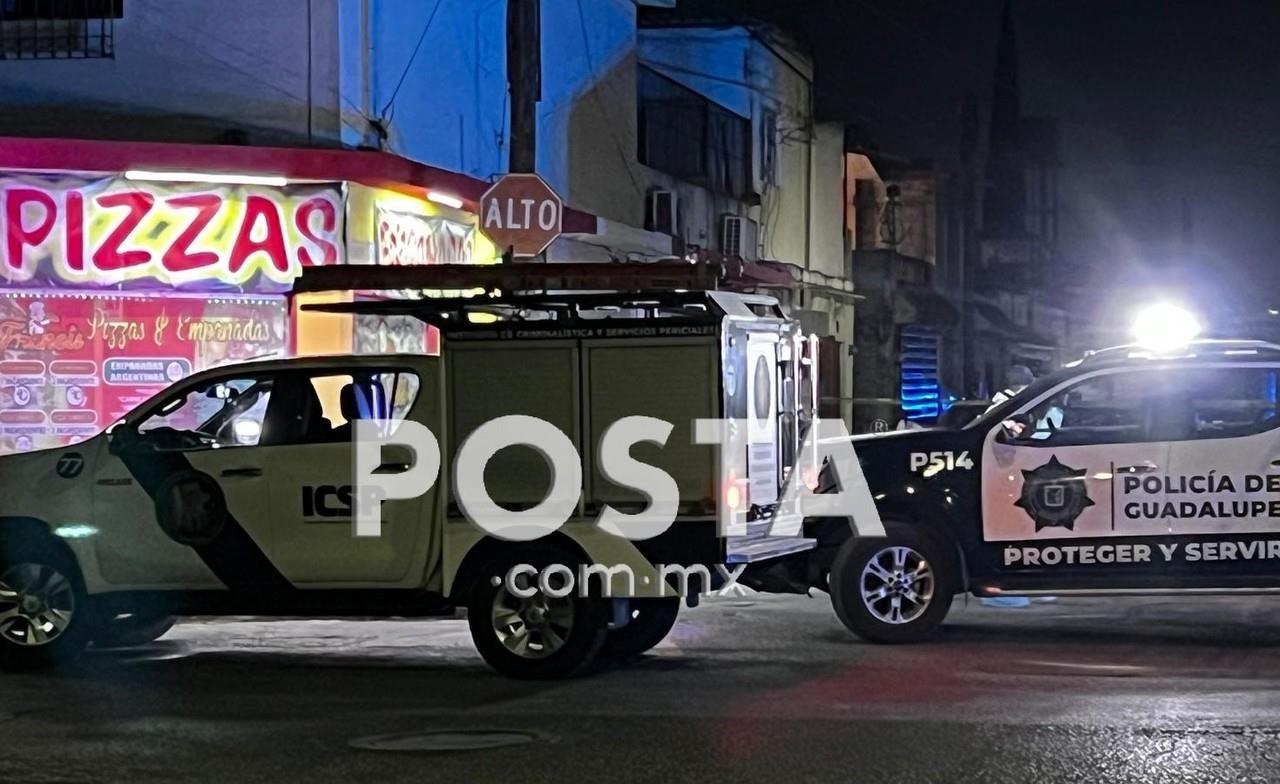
(1224, 474)
(1068, 468)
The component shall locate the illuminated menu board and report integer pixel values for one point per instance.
(73, 363)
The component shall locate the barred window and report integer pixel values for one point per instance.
(58, 29)
(688, 136)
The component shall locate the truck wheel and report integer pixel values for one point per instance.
(891, 590)
(529, 633)
(651, 622)
(132, 630)
(44, 612)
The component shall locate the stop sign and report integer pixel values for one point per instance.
(521, 212)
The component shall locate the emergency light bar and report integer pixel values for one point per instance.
(1194, 348)
(556, 276)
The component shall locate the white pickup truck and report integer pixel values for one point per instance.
(230, 492)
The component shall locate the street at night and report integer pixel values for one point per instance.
(752, 688)
(600, 391)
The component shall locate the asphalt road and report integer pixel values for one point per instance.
(746, 689)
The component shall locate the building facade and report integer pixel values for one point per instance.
(162, 183)
(1019, 302)
(665, 139)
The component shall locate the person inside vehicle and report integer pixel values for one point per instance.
(349, 405)
(1018, 378)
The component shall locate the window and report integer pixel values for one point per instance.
(1225, 402)
(687, 136)
(769, 147)
(367, 395)
(58, 29)
(918, 385)
(1158, 405)
(222, 413)
(287, 409)
(1108, 409)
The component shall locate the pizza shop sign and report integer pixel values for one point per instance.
(117, 232)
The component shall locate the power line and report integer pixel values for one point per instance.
(257, 76)
(422, 37)
(613, 134)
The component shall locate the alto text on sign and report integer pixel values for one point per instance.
(521, 212)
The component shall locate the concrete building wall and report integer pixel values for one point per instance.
(828, 245)
(451, 109)
(755, 77)
(445, 106)
(188, 71)
(917, 215)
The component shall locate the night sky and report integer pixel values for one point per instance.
(1161, 102)
(1158, 101)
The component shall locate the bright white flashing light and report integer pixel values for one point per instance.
(1165, 327)
(79, 531)
(448, 200)
(229, 179)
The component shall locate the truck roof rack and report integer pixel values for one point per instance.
(539, 298)
(536, 314)
(1196, 348)
(513, 278)
(452, 312)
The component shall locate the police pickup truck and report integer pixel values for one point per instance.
(1128, 472)
(231, 492)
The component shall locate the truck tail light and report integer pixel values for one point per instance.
(735, 493)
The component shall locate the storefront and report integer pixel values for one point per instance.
(124, 267)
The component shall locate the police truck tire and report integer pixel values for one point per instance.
(894, 590)
(539, 637)
(44, 611)
(132, 630)
(651, 622)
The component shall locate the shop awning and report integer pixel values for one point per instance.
(303, 164)
(759, 273)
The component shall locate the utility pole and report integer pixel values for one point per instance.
(524, 80)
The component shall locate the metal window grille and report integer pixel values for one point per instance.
(58, 29)
(686, 135)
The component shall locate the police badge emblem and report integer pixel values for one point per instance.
(1054, 495)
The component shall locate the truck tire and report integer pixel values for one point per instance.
(45, 617)
(651, 622)
(132, 630)
(539, 636)
(892, 590)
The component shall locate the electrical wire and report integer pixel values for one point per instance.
(613, 134)
(256, 75)
(422, 37)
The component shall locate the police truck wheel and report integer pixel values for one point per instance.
(651, 622)
(132, 630)
(528, 633)
(892, 590)
(44, 614)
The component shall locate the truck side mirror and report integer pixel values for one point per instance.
(121, 436)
